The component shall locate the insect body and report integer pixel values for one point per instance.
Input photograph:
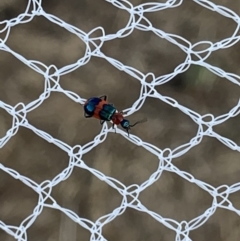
(99, 108)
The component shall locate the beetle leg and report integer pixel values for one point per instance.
(113, 126)
(104, 97)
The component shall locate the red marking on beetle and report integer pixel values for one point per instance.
(98, 108)
(117, 118)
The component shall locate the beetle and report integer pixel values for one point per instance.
(99, 108)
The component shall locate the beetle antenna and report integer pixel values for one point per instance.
(138, 122)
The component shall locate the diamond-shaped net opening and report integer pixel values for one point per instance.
(174, 62)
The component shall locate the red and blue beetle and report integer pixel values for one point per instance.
(99, 108)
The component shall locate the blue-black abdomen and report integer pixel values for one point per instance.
(90, 105)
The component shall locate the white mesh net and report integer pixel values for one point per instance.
(196, 54)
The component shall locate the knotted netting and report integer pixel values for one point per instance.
(136, 180)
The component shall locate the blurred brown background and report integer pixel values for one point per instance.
(198, 89)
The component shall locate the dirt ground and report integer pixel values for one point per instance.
(171, 196)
